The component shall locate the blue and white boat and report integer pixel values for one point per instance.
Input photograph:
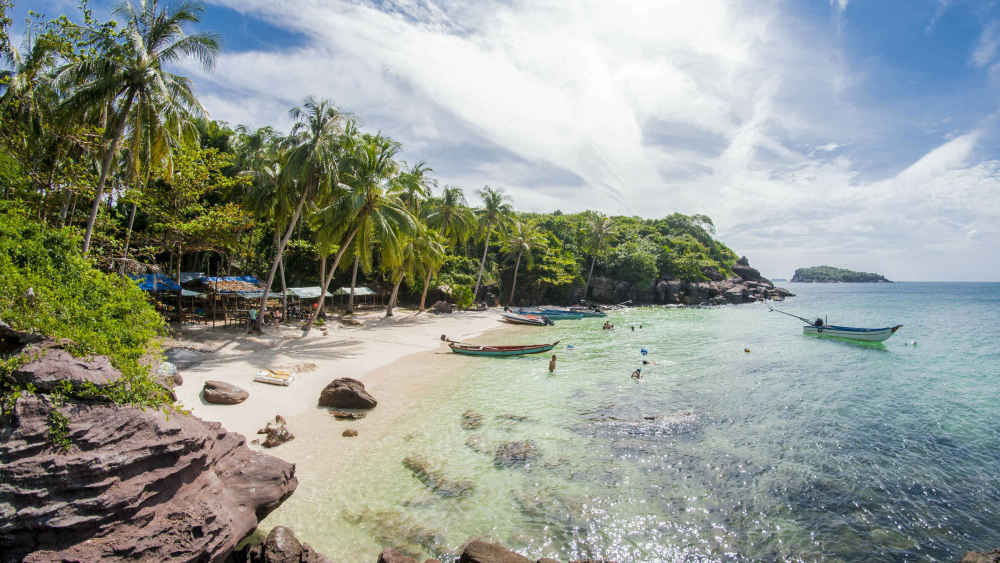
(820, 328)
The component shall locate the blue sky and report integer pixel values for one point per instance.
(856, 133)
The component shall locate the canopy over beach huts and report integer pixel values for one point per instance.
(155, 282)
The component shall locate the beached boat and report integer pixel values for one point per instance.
(554, 314)
(535, 320)
(865, 334)
(477, 350)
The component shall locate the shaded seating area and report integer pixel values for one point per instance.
(363, 296)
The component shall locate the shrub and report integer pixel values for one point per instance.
(462, 296)
(100, 313)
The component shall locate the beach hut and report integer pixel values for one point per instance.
(156, 283)
(362, 295)
(302, 299)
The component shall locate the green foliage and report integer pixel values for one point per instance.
(821, 274)
(634, 261)
(100, 313)
(462, 296)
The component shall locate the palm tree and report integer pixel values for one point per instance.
(599, 231)
(370, 205)
(450, 215)
(429, 253)
(310, 169)
(130, 74)
(496, 209)
(523, 237)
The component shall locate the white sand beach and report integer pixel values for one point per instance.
(233, 356)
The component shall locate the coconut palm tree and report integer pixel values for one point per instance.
(429, 253)
(598, 234)
(450, 215)
(369, 204)
(310, 168)
(496, 209)
(521, 239)
(130, 74)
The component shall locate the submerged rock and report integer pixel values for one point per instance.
(281, 546)
(517, 453)
(435, 480)
(393, 528)
(277, 433)
(977, 557)
(222, 393)
(471, 420)
(477, 444)
(346, 393)
(349, 433)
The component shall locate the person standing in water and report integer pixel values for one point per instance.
(552, 364)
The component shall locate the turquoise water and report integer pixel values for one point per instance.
(802, 449)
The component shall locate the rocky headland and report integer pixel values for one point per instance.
(747, 286)
(830, 274)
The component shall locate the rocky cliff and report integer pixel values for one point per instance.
(132, 484)
(748, 285)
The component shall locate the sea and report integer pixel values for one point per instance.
(744, 439)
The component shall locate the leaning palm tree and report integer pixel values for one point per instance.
(521, 239)
(496, 209)
(429, 254)
(310, 169)
(451, 216)
(369, 204)
(598, 234)
(130, 74)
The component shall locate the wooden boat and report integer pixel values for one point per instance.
(535, 320)
(477, 350)
(820, 328)
(852, 333)
(554, 314)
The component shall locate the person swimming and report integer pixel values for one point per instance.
(637, 374)
(552, 364)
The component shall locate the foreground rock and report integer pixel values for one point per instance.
(346, 393)
(51, 364)
(977, 557)
(134, 484)
(222, 393)
(277, 433)
(281, 546)
(478, 551)
(392, 556)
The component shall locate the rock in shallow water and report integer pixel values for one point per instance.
(977, 557)
(435, 480)
(346, 393)
(510, 454)
(222, 393)
(277, 433)
(281, 546)
(471, 420)
(478, 551)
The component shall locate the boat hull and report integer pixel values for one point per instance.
(500, 351)
(524, 319)
(851, 333)
(554, 315)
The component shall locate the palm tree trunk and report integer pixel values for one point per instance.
(513, 285)
(482, 264)
(105, 168)
(326, 283)
(65, 207)
(354, 283)
(395, 294)
(277, 257)
(128, 238)
(423, 296)
(180, 293)
(586, 288)
(284, 286)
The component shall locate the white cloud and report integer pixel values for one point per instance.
(986, 47)
(719, 107)
(840, 5)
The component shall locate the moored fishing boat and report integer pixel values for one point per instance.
(865, 334)
(821, 328)
(483, 350)
(554, 314)
(535, 320)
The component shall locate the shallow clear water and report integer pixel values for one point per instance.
(803, 448)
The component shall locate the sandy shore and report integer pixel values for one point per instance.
(233, 356)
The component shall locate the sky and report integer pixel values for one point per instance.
(854, 133)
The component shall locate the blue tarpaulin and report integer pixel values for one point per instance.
(162, 282)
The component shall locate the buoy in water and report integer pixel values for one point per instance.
(643, 351)
(570, 347)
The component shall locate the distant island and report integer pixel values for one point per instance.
(829, 274)
(779, 279)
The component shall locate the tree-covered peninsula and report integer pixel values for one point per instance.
(830, 274)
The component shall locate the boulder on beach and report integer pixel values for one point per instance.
(346, 393)
(346, 415)
(185, 358)
(222, 393)
(443, 307)
(510, 454)
(277, 433)
(280, 546)
(349, 433)
(51, 365)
